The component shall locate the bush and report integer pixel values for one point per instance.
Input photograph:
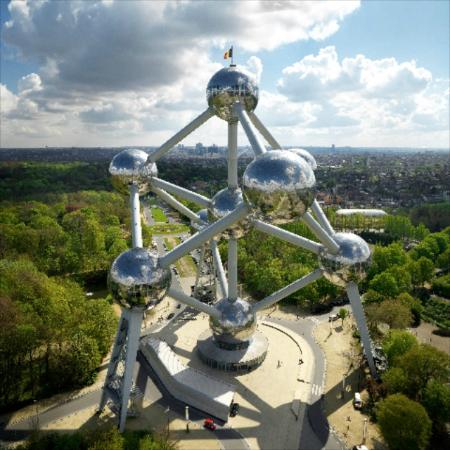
(441, 286)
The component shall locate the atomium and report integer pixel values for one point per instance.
(279, 185)
(129, 167)
(136, 279)
(306, 156)
(228, 86)
(350, 264)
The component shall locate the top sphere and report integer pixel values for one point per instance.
(279, 185)
(137, 280)
(128, 167)
(306, 156)
(229, 85)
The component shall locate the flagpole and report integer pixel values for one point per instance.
(232, 55)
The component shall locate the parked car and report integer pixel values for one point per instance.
(359, 447)
(234, 409)
(357, 402)
(209, 424)
(170, 316)
(332, 317)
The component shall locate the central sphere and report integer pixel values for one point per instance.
(228, 86)
(279, 185)
(137, 280)
(350, 264)
(236, 324)
(129, 167)
(225, 202)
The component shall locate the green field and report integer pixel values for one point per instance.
(158, 215)
(168, 228)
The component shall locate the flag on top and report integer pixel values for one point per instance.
(228, 53)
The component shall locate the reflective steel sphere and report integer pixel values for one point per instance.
(350, 264)
(237, 322)
(306, 156)
(128, 167)
(222, 204)
(229, 85)
(136, 279)
(279, 185)
(197, 226)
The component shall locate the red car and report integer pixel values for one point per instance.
(209, 423)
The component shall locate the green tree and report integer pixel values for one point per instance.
(385, 284)
(403, 423)
(423, 363)
(394, 380)
(397, 343)
(342, 314)
(390, 312)
(436, 399)
(421, 271)
(106, 439)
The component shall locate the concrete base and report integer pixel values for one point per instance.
(242, 361)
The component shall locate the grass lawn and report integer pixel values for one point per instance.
(158, 215)
(168, 228)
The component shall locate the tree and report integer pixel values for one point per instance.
(390, 312)
(403, 423)
(421, 271)
(385, 284)
(384, 258)
(397, 343)
(342, 314)
(394, 380)
(436, 399)
(414, 305)
(423, 363)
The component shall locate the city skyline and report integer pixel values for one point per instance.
(348, 73)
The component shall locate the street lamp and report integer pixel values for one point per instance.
(364, 430)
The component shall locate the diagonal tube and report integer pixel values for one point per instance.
(323, 236)
(194, 303)
(172, 201)
(287, 290)
(189, 128)
(264, 131)
(204, 235)
(322, 218)
(199, 267)
(255, 141)
(287, 236)
(219, 268)
(181, 192)
(358, 312)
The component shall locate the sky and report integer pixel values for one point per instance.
(131, 73)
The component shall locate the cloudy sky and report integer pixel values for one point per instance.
(119, 73)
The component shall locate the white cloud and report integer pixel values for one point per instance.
(368, 97)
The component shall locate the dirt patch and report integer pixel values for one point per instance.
(343, 379)
(424, 333)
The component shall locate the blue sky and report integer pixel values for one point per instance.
(131, 73)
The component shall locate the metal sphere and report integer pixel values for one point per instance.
(137, 280)
(350, 264)
(306, 156)
(222, 204)
(229, 85)
(128, 167)
(279, 185)
(197, 226)
(237, 322)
